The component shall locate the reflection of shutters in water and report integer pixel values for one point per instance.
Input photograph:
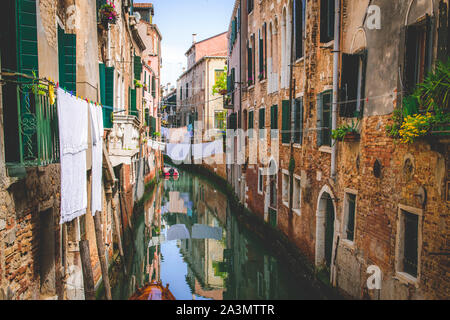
(329, 231)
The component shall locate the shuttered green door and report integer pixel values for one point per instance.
(109, 86)
(102, 78)
(285, 127)
(27, 46)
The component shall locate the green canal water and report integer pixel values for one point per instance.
(188, 237)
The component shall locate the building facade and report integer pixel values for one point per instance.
(39, 257)
(352, 206)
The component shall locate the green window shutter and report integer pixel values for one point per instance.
(298, 121)
(326, 118)
(133, 107)
(147, 117)
(102, 80)
(27, 46)
(153, 124)
(70, 62)
(137, 67)
(274, 117)
(153, 87)
(109, 86)
(262, 122)
(319, 120)
(62, 80)
(262, 118)
(250, 120)
(285, 126)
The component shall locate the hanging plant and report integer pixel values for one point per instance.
(108, 14)
(137, 84)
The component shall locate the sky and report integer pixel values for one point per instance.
(178, 20)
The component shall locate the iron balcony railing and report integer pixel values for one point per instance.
(37, 126)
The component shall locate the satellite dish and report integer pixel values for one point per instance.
(137, 16)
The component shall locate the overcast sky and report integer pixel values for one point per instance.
(178, 20)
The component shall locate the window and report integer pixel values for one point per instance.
(262, 52)
(67, 54)
(297, 196)
(408, 241)
(250, 124)
(285, 188)
(350, 212)
(217, 75)
(298, 120)
(153, 86)
(181, 93)
(262, 123)
(324, 118)
(299, 24)
(250, 60)
(274, 122)
(417, 58)
(187, 90)
(285, 122)
(353, 84)
(273, 191)
(260, 181)
(326, 20)
(219, 119)
(249, 6)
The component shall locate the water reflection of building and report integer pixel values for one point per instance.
(235, 267)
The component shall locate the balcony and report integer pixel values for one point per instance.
(124, 138)
(31, 135)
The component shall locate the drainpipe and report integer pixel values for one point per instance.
(291, 98)
(108, 58)
(336, 52)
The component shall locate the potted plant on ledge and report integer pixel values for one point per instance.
(347, 133)
(107, 14)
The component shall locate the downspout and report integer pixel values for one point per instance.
(336, 52)
(291, 97)
(108, 58)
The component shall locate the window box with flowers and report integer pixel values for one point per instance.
(107, 14)
(347, 133)
(424, 114)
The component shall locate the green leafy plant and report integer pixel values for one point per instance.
(426, 111)
(342, 131)
(221, 83)
(433, 93)
(137, 83)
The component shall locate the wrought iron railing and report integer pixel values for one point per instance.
(37, 126)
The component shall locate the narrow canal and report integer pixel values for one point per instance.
(188, 237)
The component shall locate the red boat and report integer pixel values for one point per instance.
(170, 172)
(153, 291)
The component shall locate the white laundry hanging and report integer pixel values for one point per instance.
(97, 158)
(201, 231)
(73, 139)
(177, 232)
(178, 152)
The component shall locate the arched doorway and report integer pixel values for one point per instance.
(325, 232)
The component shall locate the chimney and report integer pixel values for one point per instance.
(194, 36)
